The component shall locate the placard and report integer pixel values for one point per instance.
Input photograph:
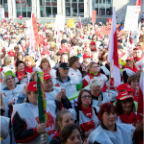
(131, 18)
(94, 12)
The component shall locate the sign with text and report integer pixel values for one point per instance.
(131, 18)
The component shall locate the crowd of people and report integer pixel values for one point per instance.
(82, 104)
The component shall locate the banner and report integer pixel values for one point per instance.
(94, 12)
(131, 18)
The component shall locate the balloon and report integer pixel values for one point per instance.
(4, 20)
(20, 17)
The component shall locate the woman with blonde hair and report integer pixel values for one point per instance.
(30, 64)
(46, 67)
(8, 65)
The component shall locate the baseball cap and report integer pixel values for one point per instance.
(11, 53)
(86, 55)
(92, 43)
(123, 95)
(32, 86)
(64, 65)
(130, 58)
(126, 87)
(138, 48)
(46, 76)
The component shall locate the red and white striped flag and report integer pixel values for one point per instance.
(138, 3)
(113, 52)
(80, 24)
(58, 36)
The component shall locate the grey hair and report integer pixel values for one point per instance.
(95, 82)
(5, 79)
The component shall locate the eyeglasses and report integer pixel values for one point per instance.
(10, 78)
(95, 91)
(86, 96)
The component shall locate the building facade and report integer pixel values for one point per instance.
(46, 10)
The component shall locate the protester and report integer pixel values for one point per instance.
(46, 67)
(56, 94)
(85, 115)
(108, 131)
(133, 81)
(22, 76)
(93, 71)
(65, 81)
(63, 118)
(129, 69)
(98, 96)
(25, 118)
(74, 73)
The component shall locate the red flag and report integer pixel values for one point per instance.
(35, 29)
(112, 52)
(80, 24)
(138, 3)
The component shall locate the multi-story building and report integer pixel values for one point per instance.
(46, 10)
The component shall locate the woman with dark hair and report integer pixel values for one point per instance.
(125, 106)
(70, 134)
(63, 118)
(133, 81)
(129, 69)
(108, 131)
(94, 37)
(46, 67)
(22, 77)
(84, 114)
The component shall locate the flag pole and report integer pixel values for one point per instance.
(109, 81)
(127, 43)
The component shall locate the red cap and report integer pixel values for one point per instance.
(86, 55)
(130, 58)
(45, 52)
(138, 48)
(123, 95)
(11, 53)
(126, 87)
(46, 76)
(92, 43)
(32, 86)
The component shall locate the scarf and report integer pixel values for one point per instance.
(20, 75)
(30, 70)
(129, 119)
(80, 55)
(134, 69)
(87, 112)
(56, 134)
(94, 74)
(138, 59)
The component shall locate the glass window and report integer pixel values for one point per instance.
(103, 7)
(48, 8)
(23, 7)
(74, 8)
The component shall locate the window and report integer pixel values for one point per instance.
(74, 8)
(24, 8)
(48, 8)
(103, 7)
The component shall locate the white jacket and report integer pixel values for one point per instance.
(85, 122)
(122, 135)
(75, 76)
(11, 95)
(29, 113)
